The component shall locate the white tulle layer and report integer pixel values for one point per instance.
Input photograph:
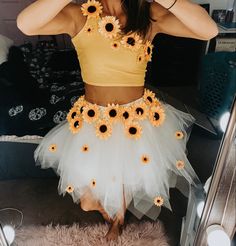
(116, 164)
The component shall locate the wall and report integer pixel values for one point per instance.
(217, 4)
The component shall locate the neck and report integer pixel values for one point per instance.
(112, 7)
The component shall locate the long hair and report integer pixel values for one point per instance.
(138, 16)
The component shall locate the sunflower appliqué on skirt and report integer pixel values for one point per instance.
(103, 118)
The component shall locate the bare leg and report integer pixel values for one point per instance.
(88, 203)
(117, 223)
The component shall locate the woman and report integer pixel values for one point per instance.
(120, 143)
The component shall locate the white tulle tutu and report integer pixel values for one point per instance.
(135, 151)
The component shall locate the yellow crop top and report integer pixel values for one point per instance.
(106, 57)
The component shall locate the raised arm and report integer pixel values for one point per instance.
(50, 17)
(184, 19)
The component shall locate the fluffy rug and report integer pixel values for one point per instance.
(145, 233)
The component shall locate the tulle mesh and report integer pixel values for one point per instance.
(115, 165)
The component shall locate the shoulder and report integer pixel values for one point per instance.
(74, 13)
(73, 9)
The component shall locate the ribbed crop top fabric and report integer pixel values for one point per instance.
(108, 58)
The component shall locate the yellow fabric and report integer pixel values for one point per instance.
(104, 65)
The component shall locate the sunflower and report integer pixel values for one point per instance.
(76, 124)
(145, 159)
(158, 201)
(156, 115)
(115, 45)
(85, 148)
(133, 130)
(69, 189)
(93, 183)
(109, 27)
(126, 114)
(72, 114)
(132, 41)
(79, 105)
(91, 113)
(112, 112)
(149, 97)
(53, 148)
(140, 111)
(103, 129)
(91, 9)
(179, 134)
(180, 164)
(148, 50)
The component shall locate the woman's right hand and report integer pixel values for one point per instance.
(50, 17)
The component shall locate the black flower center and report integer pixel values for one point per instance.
(149, 99)
(149, 50)
(91, 113)
(139, 111)
(109, 27)
(126, 115)
(132, 130)
(115, 45)
(73, 115)
(103, 128)
(92, 9)
(76, 124)
(112, 113)
(131, 41)
(89, 29)
(156, 116)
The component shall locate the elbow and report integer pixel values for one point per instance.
(22, 26)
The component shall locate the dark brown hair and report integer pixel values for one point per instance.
(138, 16)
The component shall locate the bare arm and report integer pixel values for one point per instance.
(50, 17)
(184, 19)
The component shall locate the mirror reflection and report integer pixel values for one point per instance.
(120, 107)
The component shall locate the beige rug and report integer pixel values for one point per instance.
(145, 234)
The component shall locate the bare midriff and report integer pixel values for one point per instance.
(104, 95)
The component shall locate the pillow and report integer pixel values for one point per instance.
(5, 44)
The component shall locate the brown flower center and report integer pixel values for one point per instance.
(139, 111)
(92, 9)
(81, 109)
(76, 124)
(132, 130)
(91, 113)
(73, 115)
(112, 113)
(131, 41)
(149, 99)
(156, 116)
(103, 128)
(126, 115)
(109, 27)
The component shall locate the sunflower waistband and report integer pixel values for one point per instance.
(148, 107)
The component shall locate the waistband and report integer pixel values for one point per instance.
(148, 107)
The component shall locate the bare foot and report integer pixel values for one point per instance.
(113, 233)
